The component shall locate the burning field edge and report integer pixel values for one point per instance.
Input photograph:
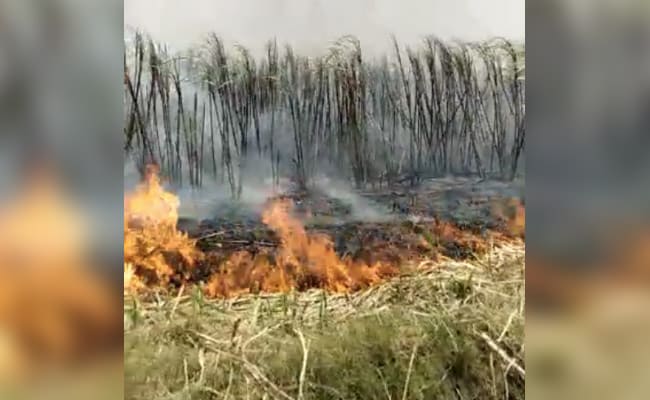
(450, 329)
(286, 255)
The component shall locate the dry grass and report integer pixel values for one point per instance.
(451, 330)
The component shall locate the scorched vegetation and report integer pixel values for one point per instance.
(408, 284)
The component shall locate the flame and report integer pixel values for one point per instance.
(53, 308)
(302, 261)
(154, 250)
(156, 253)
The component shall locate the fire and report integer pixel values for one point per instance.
(156, 253)
(302, 261)
(53, 308)
(154, 250)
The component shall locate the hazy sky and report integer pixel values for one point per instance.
(310, 25)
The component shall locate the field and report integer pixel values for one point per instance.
(370, 242)
(453, 331)
(449, 323)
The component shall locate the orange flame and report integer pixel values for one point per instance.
(156, 253)
(303, 261)
(153, 248)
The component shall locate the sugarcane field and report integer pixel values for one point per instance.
(340, 227)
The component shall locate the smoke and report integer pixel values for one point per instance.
(361, 208)
(310, 25)
(214, 198)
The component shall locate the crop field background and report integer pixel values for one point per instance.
(330, 227)
(423, 111)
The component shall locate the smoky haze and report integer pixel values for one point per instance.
(310, 25)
